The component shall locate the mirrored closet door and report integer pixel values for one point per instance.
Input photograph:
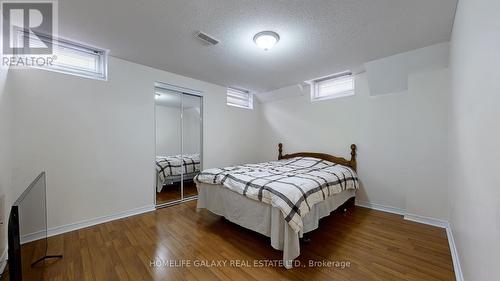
(178, 118)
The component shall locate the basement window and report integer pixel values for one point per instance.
(333, 86)
(71, 57)
(239, 98)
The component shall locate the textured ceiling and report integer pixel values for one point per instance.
(317, 37)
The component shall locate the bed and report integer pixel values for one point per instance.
(281, 199)
(169, 169)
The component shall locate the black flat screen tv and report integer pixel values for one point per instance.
(15, 269)
(27, 232)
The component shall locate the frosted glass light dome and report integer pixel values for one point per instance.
(266, 39)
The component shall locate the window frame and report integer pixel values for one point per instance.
(315, 84)
(101, 74)
(250, 98)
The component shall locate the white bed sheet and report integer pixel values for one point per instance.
(264, 218)
(172, 179)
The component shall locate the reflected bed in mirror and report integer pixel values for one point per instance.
(178, 118)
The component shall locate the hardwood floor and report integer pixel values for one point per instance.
(378, 246)
(173, 192)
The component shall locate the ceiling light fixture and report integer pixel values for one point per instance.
(266, 39)
(157, 96)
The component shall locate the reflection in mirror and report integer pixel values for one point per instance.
(191, 140)
(168, 107)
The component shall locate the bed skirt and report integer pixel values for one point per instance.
(266, 219)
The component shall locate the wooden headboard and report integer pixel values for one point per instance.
(338, 160)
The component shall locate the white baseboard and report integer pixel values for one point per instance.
(454, 254)
(424, 220)
(379, 207)
(451, 241)
(32, 236)
(84, 223)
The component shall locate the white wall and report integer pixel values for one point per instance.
(168, 130)
(5, 151)
(96, 140)
(390, 74)
(191, 125)
(427, 112)
(401, 138)
(475, 136)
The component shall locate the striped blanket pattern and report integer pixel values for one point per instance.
(167, 166)
(293, 185)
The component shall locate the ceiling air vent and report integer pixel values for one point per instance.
(206, 38)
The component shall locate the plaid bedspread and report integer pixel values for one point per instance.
(292, 185)
(167, 166)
